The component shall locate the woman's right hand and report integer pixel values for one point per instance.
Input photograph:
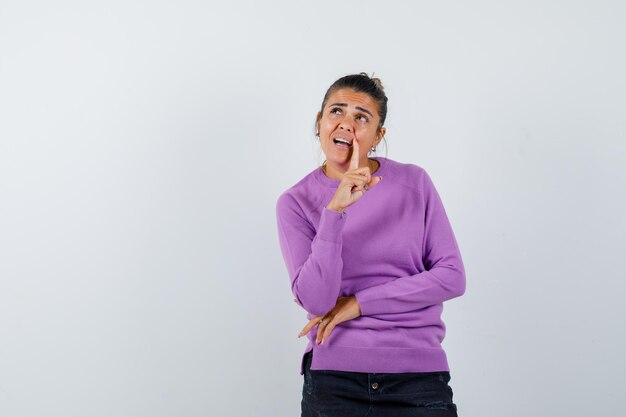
(354, 184)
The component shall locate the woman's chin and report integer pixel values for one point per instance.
(339, 162)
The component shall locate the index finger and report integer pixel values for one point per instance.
(309, 326)
(354, 161)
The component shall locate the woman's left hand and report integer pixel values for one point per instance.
(347, 308)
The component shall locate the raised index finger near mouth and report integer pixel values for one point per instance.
(354, 161)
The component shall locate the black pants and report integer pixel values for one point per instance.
(357, 394)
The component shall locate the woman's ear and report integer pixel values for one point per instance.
(381, 135)
(317, 123)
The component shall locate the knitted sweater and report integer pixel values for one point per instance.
(393, 249)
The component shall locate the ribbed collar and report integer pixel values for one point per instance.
(321, 177)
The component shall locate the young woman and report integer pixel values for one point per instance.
(371, 256)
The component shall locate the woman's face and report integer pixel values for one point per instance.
(349, 115)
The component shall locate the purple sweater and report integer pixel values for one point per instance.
(394, 249)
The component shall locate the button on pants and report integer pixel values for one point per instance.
(330, 393)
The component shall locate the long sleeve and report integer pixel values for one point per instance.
(312, 257)
(444, 274)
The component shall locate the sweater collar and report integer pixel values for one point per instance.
(321, 177)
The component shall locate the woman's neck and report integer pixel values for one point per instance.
(337, 173)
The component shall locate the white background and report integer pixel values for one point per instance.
(143, 145)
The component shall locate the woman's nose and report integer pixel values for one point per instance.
(346, 125)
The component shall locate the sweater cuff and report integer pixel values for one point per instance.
(369, 300)
(331, 224)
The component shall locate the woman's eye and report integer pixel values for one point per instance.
(336, 109)
(363, 118)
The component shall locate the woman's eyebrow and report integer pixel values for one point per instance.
(357, 107)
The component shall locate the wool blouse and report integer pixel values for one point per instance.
(394, 250)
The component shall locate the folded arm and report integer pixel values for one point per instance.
(443, 278)
(312, 257)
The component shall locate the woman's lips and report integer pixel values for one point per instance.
(340, 142)
(342, 146)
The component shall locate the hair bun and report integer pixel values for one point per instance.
(376, 81)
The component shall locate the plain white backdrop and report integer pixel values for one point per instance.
(143, 145)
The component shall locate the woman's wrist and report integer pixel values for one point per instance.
(331, 206)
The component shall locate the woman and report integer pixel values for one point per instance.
(371, 260)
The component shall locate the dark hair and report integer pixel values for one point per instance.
(362, 83)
